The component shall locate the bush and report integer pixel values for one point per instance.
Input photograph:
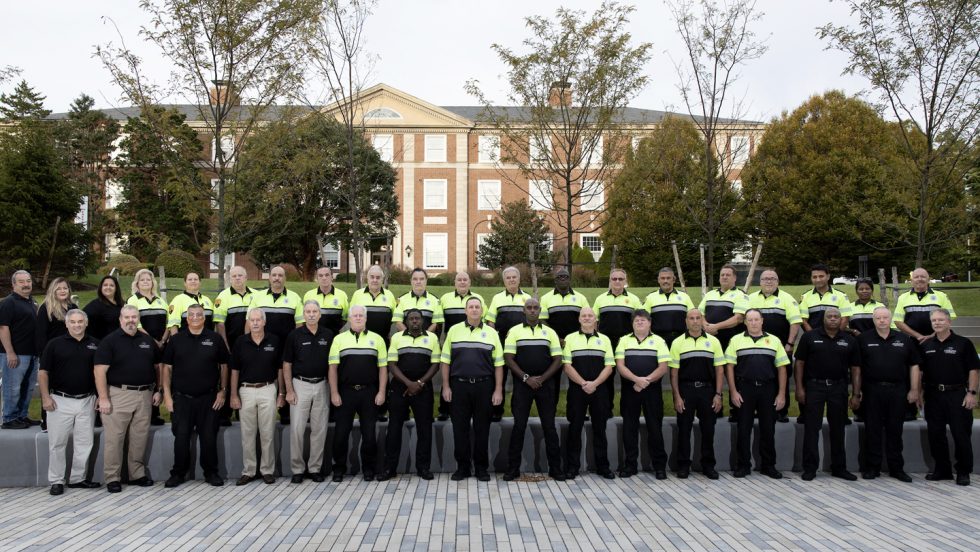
(125, 265)
(345, 278)
(292, 273)
(398, 275)
(178, 263)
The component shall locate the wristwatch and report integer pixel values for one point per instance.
(971, 391)
(525, 378)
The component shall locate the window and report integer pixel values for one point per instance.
(739, 148)
(382, 113)
(540, 149)
(82, 216)
(227, 147)
(591, 198)
(434, 191)
(593, 158)
(480, 239)
(549, 242)
(435, 148)
(489, 149)
(113, 194)
(635, 143)
(737, 185)
(435, 250)
(229, 261)
(593, 244)
(331, 254)
(384, 144)
(488, 195)
(539, 195)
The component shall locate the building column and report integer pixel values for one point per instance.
(462, 204)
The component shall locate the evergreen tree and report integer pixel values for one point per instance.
(516, 226)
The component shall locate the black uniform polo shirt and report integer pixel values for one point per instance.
(887, 360)
(70, 364)
(257, 363)
(828, 357)
(20, 316)
(131, 358)
(103, 318)
(308, 353)
(948, 362)
(196, 361)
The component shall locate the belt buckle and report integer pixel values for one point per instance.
(941, 387)
(358, 387)
(828, 383)
(699, 384)
(472, 380)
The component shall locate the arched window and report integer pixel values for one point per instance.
(382, 113)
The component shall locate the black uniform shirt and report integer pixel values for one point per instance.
(887, 360)
(20, 316)
(131, 358)
(195, 361)
(49, 329)
(828, 357)
(103, 318)
(948, 362)
(257, 363)
(309, 353)
(69, 364)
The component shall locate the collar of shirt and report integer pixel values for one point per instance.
(358, 335)
(638, 340)
(921, 294)
(276, 296)
(661, 292)
(457, 294)
(589, 335)
(695, 338)
(724, 291)
(615, 295)
(755, 337)
(775, 293)
(424, 294)
(538, 325)
(830, 291)
(367, 289)
(871, 301)
(567, 293)
(823, 332)
(421, 334)
(147, 299)
(242, 294)
(194, 297)
(325, 293)
(519, 292)
(473, 328)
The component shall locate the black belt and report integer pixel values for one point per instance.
(946, 386)
(827, 381)
(134, 387)
(189, 396)
(357, 387)
(257, 385)
(472, 380)
(757, 383)
(886, 383)
(70, 396)
(309, 380)
(697, 384)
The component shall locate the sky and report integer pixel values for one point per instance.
(430, 48)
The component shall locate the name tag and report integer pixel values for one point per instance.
(306, 343)
(268, 348)
(207, 343)
(144, 345)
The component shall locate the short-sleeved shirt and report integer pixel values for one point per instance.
(283, 311)
(813, 305)
(779, 312)
(718, 306)
(948, 362)
(427, 303)
(257, 362)
(414, 355)
(506, 311)
(380, 309)
(756, 358)
(333, 307)
(615, 313)
(696, 358)
(642, 356)
(49, 328)
(195, 361)
(231, 309)
(358, 355)
(132, 359)
(588, 354)
(862, 316)
(454, 307)
(827, 357)
(308, 353)
(70, 364)
(20, 316)
(179, 305)
(472, 351)
(153, 314)
(533, 347)
(668, 312)
(887, 359)
(914, 309)
(560, 311)
(103, 318)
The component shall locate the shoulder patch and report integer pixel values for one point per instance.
(217, 302)
(171, 309)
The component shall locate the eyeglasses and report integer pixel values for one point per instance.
(618, 279)
(769, 279)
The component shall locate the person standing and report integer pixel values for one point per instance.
(420, 299)
(153, 318)
(379, 303)
(103, 311)
(127, 373)
(862, 309)
(780, 318)
(614, 311)
(51, 322)
(560, 308)
(333, 301)
(472, 364)
(18, 328)
(67, 383)
(668, 307)
(453, 306)
(195, 375)
(813, 304)
(230, 308)
(177, 319)
(283, 313)
(506, 311)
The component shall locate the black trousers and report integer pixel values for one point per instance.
(884, 414)
(471, 408)
(421, 407)
(520, 404)
(610, 383)
(194, 414)
(946, 408)
(651, 402)
(697, 401)
(758, 400)
(360, 402)
(818, 396)
(498, 411)
(598, 406)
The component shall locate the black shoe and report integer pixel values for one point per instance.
(224, 422)
(214, 480)
(845, 475)
(157, 421)
(910, 417)
(142, 482)
(285, 421)
(939, 477)
(15, 424)
(901, 476)
(317, 478)
(460, 475)
(173, 481)
(660, 474)
(245, 480)
(426, 475)
(86, 484)
(783, 419)
(732, 420)
(772, 472)
(443, 417)
(297, 478)
(809, 475)
(870, 474)
(585, 418)
(557, 475)
(33, 422)
(740, 473)
(368, 476)
(570, 475)
(496, 418)
(337, 477)
(682, 473)
(114, 487)
(847, 421)
(268, 479)
(626, 472)
(57, 489)
(483, 476)
(385, 475)
(859, 419)
(711, 473)
(510, 476)
(608, 474)
(963, 480)
(379, 419)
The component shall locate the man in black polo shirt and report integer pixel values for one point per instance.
(304, 372)
(195, 374)
(67, 383)
(256, 375)
(826, 359)
(887, 356)
(951, 374)
(18, 318)
(126, 375)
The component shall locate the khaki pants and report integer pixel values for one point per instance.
(311, 404)
(258, 417)
(130, 415)
(71, 419)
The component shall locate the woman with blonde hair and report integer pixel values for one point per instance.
(153, 315)
(51, 321)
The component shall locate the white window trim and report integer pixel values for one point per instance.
(551, 241)
(226, 140)
(384, 144)
(213, 261)
(429, 201)
(332, 254)
(546, 203)
(595, 254)
(739, 153)
(487, 200)
(433, 153)
(489, 142)
(539, 151)
(594, 158)
(444, 237)
(590, 200)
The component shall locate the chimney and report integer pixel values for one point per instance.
(560, 95)
(218, 93)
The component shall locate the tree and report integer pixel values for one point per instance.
(232, 60)
(23, 103)
(287, 203)
(571, 84)
(515, 228)
(922, 58)
(718, 41)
